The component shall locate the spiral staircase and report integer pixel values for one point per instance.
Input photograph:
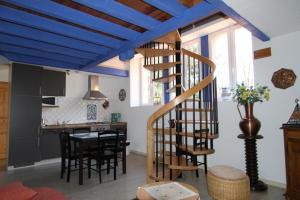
(185, 128)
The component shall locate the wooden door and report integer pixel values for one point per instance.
(4, 92)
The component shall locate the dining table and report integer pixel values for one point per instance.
(85, 139)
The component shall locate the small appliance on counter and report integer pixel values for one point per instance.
(49, 102)
(115, 117)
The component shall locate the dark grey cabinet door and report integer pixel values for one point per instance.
(23, 151)
(25, 121)
(26, 80)
(25, 115)
(53, 83)
(49, 146)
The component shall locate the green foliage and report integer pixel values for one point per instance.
(243, 94)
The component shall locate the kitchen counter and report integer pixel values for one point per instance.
(82, 125)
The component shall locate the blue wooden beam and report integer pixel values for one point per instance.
(239, 19)
(68, 14)
(121, 11)
(108, 71)
(195, 13)
(38, 61)
(23, 31)
(170, 6)
(49, 25)
(27, 43)
(42, 54)
(127, 55)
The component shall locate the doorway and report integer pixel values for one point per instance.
(4, 106)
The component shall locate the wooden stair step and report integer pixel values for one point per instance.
(161, 66)
(166, 79)
(173, 89)
(196, 122)
(189, 134)
(175, 174)
(191, 100)
(148, 52)
(197, 151)
(182, 164)
(199, 135)
(196, 109)
(167, 142)
(171, 38)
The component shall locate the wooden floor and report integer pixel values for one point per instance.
(122, 189)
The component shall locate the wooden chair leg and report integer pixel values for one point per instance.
(115, 166)
(205, 164)
(63, 167)
(89, 168)
(195, 162)
(108, 166)
(69, 170)
(100, 178)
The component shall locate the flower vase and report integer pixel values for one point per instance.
(249, 124)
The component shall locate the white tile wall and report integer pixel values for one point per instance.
(74, 110)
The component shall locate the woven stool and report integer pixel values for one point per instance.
(228, 183)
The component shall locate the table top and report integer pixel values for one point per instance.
(82, 125)
(92, 136)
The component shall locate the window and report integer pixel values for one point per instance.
(231, 51)
(188, 80)
(142, 90)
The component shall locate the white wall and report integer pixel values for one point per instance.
(229, 149)
(72, 107)
(4, 73)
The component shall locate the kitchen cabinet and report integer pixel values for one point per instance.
(25, 115)
(25, 120)
(26, 80)
(49, 145)
(292, 161)
(53, 83)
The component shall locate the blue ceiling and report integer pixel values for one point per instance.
(45, 32)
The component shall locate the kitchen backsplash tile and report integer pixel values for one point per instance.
(74, 110)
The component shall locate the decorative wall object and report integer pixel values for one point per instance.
(122, 95)
(91, 112)
(284, 78)
(105, 105)
(262, 53)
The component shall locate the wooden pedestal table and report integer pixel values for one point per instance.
(251, 163)
(165, 187)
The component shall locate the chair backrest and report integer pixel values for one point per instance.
(108, 140)
(65, 144)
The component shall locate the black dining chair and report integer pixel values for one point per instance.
(122, 148)
(108, 142)
(68, 155)
(78, 131)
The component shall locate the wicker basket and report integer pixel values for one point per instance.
(220, 188)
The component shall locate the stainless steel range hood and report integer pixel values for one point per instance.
(93, 92)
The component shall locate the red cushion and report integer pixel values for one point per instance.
(48, 194)
(16, 191)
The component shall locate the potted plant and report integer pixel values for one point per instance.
(247, 96)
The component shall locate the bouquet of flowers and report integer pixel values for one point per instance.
(243, 94)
